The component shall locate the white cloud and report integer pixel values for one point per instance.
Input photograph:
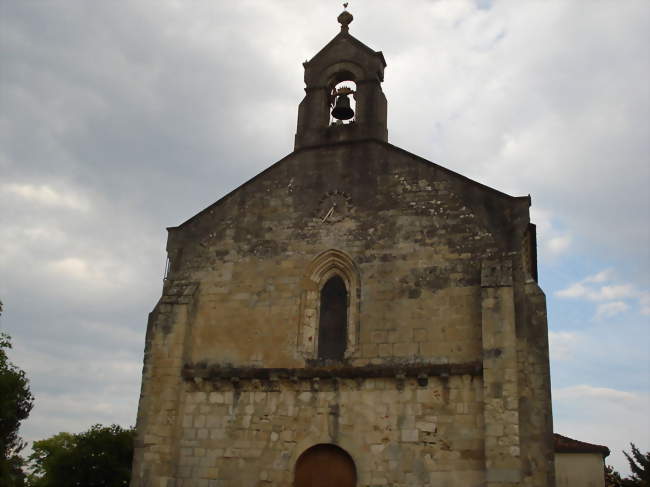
(575, 290)
(609, 296)
(90, 274)
(644, 303)
(75, 268)
(585, 391)
(605, 416)
(580, 290)
(76, 411)
(601, 276)
(89, 376)
(44, 194)
(619, 291)
(562, 344)
(560, 244)
(607, 310)
(551, 240)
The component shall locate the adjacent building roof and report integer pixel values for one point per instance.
(564, 444)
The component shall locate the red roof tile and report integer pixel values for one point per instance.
(564, 444)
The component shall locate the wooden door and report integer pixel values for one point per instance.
(325, 466)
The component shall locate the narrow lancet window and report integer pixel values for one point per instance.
(332, 327)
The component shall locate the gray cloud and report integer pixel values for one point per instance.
(117, 120)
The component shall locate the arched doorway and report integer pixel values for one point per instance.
(325, 466)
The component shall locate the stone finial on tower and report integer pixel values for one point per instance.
(344, 19)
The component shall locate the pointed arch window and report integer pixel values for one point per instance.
(333, 320)
(329, 315)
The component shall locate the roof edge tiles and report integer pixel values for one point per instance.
(564, 444)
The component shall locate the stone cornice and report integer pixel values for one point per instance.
(338, 371)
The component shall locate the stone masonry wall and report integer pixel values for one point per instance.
(416, 234)
(251, 436)
(536, 420)
(161, 382)
(437, 280)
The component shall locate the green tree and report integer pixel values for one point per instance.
(640, 467)
(16, 401)
(612, 477)
(100, 456)
(50, 458)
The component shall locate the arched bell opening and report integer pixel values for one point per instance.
(342, 99)
(325, 465)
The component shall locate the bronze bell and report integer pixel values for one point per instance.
(342, 110)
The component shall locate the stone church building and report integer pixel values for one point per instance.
(354, 315)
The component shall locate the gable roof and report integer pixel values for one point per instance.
(354, 41)
(564, 444)
(414, 157)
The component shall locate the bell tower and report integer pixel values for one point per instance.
(326, 104)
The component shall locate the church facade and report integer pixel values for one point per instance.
(354, 315)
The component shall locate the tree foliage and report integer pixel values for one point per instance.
(612, 477)
(98, 457)
(16, 401)
(639, 465)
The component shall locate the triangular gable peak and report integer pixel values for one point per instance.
(341, 45)
(474, 187)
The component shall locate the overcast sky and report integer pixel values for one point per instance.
(118, 119)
